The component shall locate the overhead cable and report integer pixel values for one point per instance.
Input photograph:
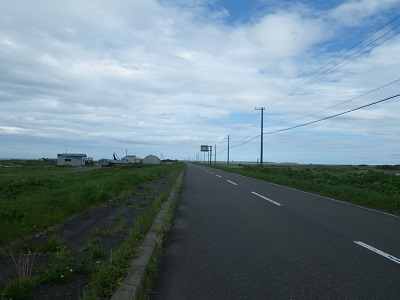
(285, 92)
(319, 120)
(336, 66)
(310, 79)
(333, 116)
(341, 103)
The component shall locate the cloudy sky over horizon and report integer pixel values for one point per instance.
(164, 77)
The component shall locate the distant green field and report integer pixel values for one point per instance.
(10, 169)
(371, 186)
(37, 194)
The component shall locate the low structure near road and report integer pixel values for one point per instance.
(133, 159)
(71, 159)
(151, 160)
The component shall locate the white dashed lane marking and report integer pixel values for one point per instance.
(265, 198)
(377, 251)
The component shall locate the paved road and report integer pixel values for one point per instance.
(239, 238)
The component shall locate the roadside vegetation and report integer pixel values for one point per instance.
(108, 276)
(376, 187)
(34, 196)
(162, 239)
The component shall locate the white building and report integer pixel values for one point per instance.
(71, 159)
(151, 160)
(133, 159)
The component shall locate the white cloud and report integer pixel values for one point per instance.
(11, 130)
(353, 13)
(168, 76)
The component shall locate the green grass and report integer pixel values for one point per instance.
(52, 244)
(152, 267)
(21, 289)
(61, 268)
(37, 195)
(363, 186)
(106, 269)
(96, 253)
(111, 273)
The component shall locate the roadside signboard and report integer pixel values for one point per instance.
(204, 148)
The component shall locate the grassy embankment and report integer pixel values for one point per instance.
(362, 185)
(20, 188)
(36, 195)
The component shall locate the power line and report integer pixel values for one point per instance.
(333, 60)
(335, 67)
(248, 141)
(312, 79)
(250, 135)
(333, 116)
(341, 103)
(319, 120)
(315, 121)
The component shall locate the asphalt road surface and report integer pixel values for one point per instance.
(234, 237)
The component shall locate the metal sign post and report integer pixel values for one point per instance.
(204, 148)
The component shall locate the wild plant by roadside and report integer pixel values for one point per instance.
(24, 265)
(61, 267)
(22, 287)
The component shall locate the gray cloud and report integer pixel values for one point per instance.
(163, 77)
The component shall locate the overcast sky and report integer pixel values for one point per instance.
(164, 77)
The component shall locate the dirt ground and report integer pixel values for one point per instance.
(102, 227)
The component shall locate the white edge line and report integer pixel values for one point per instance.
(265, 198)
(324, 197)
(377, 251)
(232, 182)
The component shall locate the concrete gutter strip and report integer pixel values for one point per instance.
(132, 284)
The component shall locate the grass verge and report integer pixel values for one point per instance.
(111, 274)
(31, 204)
(152, 267)
(370, 187)
(104, 268)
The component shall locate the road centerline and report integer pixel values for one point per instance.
(377, 251)
(219, 176)
(265, 198)
(234, 183)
